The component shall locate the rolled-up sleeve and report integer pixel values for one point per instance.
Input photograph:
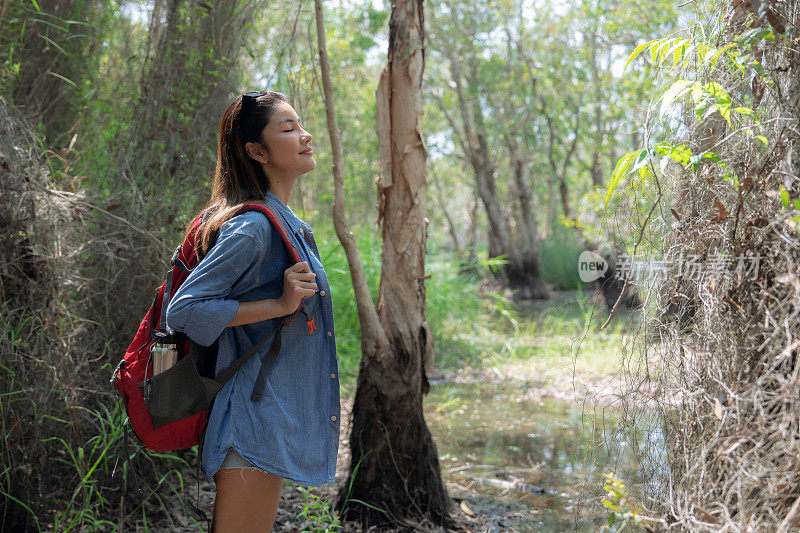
(201, 307)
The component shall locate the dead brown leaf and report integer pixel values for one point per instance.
(722, 214)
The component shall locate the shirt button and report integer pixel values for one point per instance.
(333, 419)
(301, 231)
(333, 376)
(322, 293)
(330, 334)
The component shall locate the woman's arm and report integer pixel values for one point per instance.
(298, 283)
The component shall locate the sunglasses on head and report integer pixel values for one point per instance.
(252, 95)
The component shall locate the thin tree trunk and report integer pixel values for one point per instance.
(599, 123)
(534, 286)
(451, 227)
(520, 274)
(373, 339)
(472, 233)
(551, 205)
(392, 451)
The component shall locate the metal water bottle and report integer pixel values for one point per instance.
(164, 356)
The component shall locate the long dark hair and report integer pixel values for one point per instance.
(238, 179)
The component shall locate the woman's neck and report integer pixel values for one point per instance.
(282, 188)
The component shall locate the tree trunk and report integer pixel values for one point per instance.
(394, 463)
(522, 273)
(530, 278)
(472, 233)
(458, 246)
(599, 123)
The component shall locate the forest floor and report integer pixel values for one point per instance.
(545, 355)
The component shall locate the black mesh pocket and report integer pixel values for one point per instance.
(178, 392)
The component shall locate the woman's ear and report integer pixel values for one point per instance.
(257, 152)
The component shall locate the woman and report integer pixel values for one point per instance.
(237, 295)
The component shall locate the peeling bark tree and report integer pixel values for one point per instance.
(394, 462)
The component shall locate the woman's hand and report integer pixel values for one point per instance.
(298, 283)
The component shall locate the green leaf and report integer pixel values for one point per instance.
(636, 52)
(698, 96)
(712, 62)
(36, 5)
(784, 197)
(620, 171)
(641, 161)
(681, 155)
(59, 76)
(763, 140)
(679, 49)
(665, 50)
(55, 44)
(687, 54)
(677, 90)
(658, 51)
(51, 24)
(702, 51)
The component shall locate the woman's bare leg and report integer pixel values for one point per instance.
(247, 500)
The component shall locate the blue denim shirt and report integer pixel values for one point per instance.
(293, 430)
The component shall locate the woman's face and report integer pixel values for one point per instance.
(288, 153)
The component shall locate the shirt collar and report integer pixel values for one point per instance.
(292, 220)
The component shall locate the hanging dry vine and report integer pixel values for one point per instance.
(718, 357)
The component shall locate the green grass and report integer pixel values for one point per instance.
(563, 335)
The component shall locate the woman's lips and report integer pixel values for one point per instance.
(308, 152)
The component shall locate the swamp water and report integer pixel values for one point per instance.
(535, 465)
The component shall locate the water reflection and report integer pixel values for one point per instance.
(539, 462)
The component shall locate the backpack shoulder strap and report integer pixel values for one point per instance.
(278, 225)
(273, 218)
(269, 358)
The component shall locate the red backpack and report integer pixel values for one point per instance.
(158, 422)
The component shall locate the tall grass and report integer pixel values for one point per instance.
(559, 256)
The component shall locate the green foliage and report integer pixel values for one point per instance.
(318, 512)
(680, 58)
(621, 512)
(559, 257)
(89, 505)
(455, 309)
